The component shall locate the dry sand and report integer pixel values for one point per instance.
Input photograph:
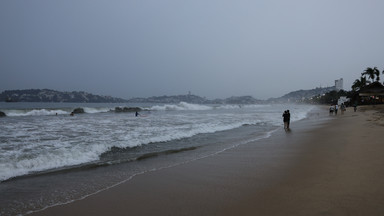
(331, 167)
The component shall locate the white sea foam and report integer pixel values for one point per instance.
(181, 106)
(92, 110)
(33, 145)
(26, 164)
(241, 106)
(47, 112)
(196, 107)
(34, 112)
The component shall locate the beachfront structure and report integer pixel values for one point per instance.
(374, 89)
(373, 93)
(339, 84)
(343, 100)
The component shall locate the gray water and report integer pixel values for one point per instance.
(48, 159)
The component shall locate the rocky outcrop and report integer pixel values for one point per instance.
(2, 114)
(78, 111)
(127, 109)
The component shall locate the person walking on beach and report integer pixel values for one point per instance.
(331, 109)
(336, 108)
(342, 107)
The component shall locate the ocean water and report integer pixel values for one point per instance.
(48, 157)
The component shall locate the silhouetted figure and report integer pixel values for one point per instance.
(289, 118)
(336, 109)
(286, 119)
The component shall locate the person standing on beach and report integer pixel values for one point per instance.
(289, 118)
(285, 119)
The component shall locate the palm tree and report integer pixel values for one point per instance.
(370, 72)
(358, 84)
(377, 73)
(383, 73)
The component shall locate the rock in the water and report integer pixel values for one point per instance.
(127, 109)
(78, 111)
(2, 114)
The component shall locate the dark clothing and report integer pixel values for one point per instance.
(286, 117)
(289, 118)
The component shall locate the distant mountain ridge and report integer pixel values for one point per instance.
(301, 95)
(47, 95)
(171, 99)
(196, 100)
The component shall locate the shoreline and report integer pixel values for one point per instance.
(316, 169)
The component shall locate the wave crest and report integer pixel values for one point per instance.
(34, 112)
(181, 106)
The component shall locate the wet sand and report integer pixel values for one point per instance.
(320, 167)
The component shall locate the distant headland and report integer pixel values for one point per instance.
(48, 95)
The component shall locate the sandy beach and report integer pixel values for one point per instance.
(320, 167)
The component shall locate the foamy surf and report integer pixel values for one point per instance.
(36, 143)
(102, 148)
(181, 106)
(34, 112)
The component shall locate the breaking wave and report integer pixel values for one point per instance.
(196, 107)
(29, 145)
(181, 106)
(35, 112)
(48, 112)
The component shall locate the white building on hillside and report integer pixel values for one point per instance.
(339, 84)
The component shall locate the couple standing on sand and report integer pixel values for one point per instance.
(286, 119)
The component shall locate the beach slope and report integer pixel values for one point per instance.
(333, 167)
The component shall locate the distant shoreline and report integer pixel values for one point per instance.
(48, 96)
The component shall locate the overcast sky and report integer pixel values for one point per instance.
(215, 49)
